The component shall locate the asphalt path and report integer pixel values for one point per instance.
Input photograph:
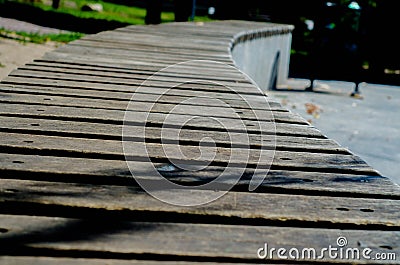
(369, 126)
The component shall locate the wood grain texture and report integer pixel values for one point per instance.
(67, 191)
(154, 135)
(108, 149)
(96, 171)
(32, 260)
(253, 208)
(178, 240)
(176, 95)
(99, 117)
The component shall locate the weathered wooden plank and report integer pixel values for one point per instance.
(199, 98)
(152, 37)
(212, 78)
(149, 48)
(186, 137)
(253, 208)
(37, 260)
(124, 62)
(189, 32)
(182, 90)
(78, 170)
(138, 58)
(144, 50)
(186, 41)
(295, 182)
(79, 58)
(301, 182)
(216, 27)
(148, 56)
(184, 241)
(222, 34)
(115, 117)
(207, 48)
(195, 30)
(155, 109)
(239, 85)
(166, 75)
(186, 70)
(205, 33)
(179, 40)
(104, 117)
(106, 149)
(125, 96)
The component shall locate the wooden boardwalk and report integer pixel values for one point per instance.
(67, 195)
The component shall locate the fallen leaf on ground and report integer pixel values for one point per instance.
(357, 96)
(313, 109)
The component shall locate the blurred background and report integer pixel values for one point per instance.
(339, 39)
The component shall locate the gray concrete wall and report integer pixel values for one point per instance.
(261, 53)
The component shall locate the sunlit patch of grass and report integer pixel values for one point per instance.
(40, 38)
(111, 11)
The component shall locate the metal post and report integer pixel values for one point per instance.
(356, 92)
(193, 10)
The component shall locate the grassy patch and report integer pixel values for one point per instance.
(69, 16)
(111, 11)
(120, 13)
(40, 38)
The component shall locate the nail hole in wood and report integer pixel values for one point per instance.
(343, 209)
(386, 247)
(35, 124)
(307, 180)
(47, 99)
(28, 141)
(367, 210)
(40, 110)
(3, 230)
(17, 162)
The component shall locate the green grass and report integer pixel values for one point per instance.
(111, 11)
(39, 38)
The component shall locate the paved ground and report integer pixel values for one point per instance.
(369, 127)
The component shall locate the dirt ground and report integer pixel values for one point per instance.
(15, 53)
